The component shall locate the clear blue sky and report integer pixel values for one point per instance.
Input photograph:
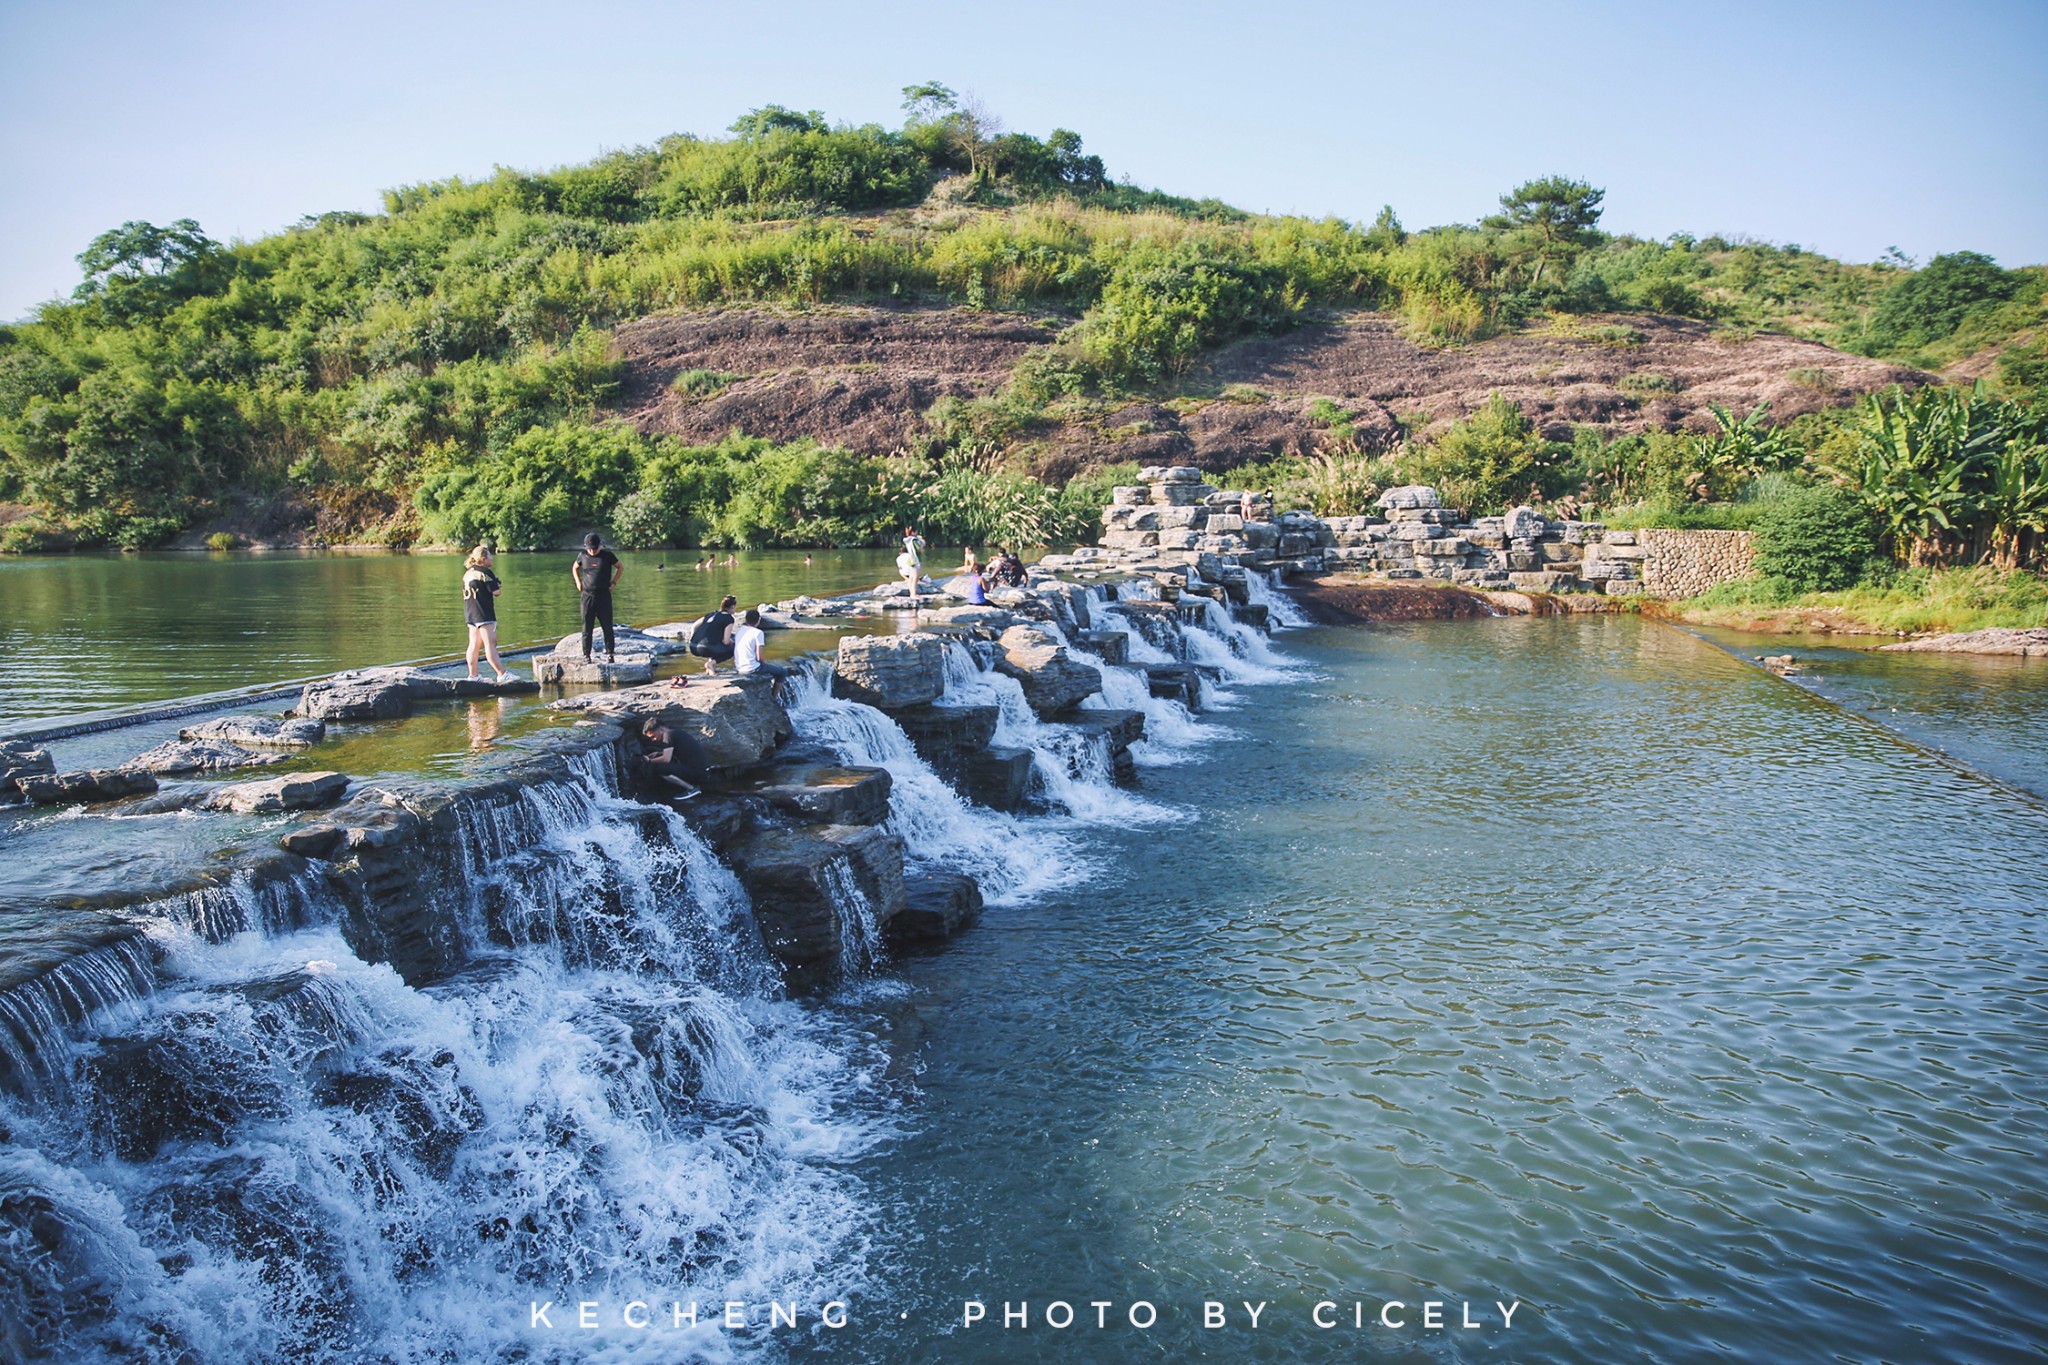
(1846, 127)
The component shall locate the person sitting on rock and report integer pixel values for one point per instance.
(1009, 569)
(712, 640)
(747, 642)
(675, 757)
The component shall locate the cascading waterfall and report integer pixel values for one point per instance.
(1279, 603)
(285, 1151)
(1010, 859)
(1070, 770)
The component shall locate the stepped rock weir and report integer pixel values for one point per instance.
(476, 1028)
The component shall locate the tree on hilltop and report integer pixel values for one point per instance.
(1559, 214)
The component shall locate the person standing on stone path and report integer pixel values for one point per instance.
(911, 562)
(480, 588)
(597, 571)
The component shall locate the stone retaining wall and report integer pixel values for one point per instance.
(1686, 563)
(1171, 521)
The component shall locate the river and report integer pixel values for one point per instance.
(1567, 963)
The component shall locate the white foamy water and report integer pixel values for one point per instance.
(288, 1152)
(1281, 609)
(1012, 859)
(1070, 770)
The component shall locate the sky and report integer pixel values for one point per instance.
(1845, 127)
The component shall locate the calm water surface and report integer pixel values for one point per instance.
(1563, 961)
(82, 633)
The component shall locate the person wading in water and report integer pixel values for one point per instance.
(597, 571)
(480, 588)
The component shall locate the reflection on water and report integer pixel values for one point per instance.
(486, 720)
(1568, 961)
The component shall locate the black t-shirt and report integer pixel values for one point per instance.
(597, 572)
(710, 632)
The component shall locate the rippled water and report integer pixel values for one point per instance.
(1568, 962)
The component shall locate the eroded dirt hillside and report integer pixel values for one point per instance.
(864, 377)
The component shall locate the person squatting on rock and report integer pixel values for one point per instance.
(747, 661)
(596, 571)
(712, 640)
(674, 756)
(480, 588)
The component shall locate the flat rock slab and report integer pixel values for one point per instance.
(202, 756)
(833, 795)
(662, 640)
(259, 732)
(85, 785)
(936, 906)
(890, 671)
(737, 720)
(388, 693)
(629, 671)
(298, 791)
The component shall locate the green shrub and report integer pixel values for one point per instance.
(1643, 382)
(221, 540)
(701, 383)
(1818, 540)
(1490, 461)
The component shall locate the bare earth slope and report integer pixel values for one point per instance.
(855, 377)
(863, 378)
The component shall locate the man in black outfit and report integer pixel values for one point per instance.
(596, 570)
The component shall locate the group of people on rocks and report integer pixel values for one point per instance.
(720, 636)
(973, 578)
(668, 754)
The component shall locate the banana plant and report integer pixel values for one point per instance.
(2016, 499)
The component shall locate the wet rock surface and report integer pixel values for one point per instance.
(1053, 679)
(936, 906)
(258, 732)
(86, 785)
(299, 791)
(202, 756)
(737, 720)
(799, 879)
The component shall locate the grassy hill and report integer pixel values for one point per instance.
(522, 357)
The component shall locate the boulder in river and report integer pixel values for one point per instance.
(804, 884)
(890, 671)
(202, 756)
(259, 732)
(936, 906)
(832, 794)
(737, 720)
(18, 760)
(1053, 679)
(87, 784)
(296, 791)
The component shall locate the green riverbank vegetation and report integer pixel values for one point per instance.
(443, 371)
